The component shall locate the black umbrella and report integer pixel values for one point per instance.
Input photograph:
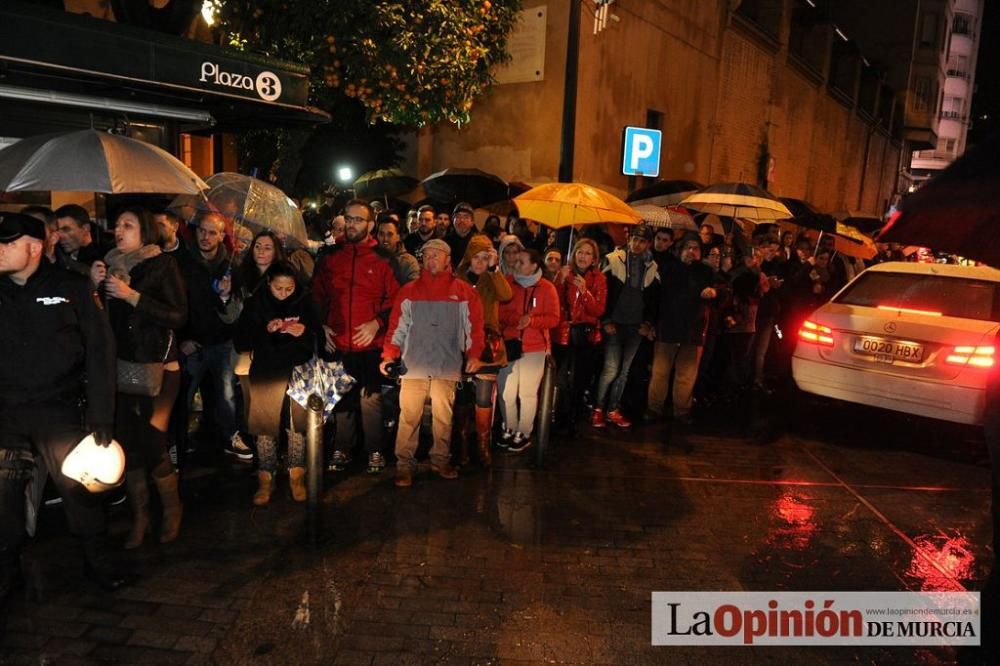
(805, 215)
(472, 185)
(957, 211)
(384, 183)
(663, 192)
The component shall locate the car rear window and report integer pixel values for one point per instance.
(949, 296)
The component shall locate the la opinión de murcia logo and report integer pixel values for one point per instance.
(826, 618)
(267, 85)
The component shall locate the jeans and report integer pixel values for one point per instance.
(519, 384)
(684, 360)
(412, 395)
(620, 348)
(219, 361)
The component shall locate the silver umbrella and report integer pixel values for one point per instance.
(255, 204)
(92, 161)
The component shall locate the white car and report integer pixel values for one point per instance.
(913, 338)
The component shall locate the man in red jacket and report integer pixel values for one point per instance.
(355, 288)
(436, 329)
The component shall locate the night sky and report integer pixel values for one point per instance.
(986, 99)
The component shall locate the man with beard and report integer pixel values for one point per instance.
(354, 289)
(426, 230)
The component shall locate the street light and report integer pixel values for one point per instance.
(345, 174)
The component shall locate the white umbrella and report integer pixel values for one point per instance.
(666, 217)
(92, 161)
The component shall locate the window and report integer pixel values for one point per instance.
(962, 24)
(953, 108)
(952, 297)
(764, 14)
(929, 30)
(958, 65)
(922, 94)
(949, 145)
(807, 37)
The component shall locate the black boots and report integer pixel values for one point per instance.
(97, 567)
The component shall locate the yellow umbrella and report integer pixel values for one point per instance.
(558, 205)
(848, 240)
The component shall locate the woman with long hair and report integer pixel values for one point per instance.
(583, 291)
(480, 268)
(265, 250)
(146, 301)
(526, 320)
(278, 324)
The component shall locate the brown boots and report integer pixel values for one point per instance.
(264, 487)
(484, 427)
(297, 481)
(138, 493)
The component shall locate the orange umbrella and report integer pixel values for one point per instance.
(558, 205)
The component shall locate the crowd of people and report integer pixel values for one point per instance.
(123, 334)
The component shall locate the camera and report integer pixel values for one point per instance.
(395, 369)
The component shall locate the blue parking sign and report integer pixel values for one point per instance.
(641, 152)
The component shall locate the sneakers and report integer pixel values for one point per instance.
(505, 438)
(597, 419)
(339, 461)
(616, 417)
(376, 462)
(238, 449)
(519, 443)
(445, 471)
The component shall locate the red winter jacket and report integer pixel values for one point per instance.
(542, 303)
(581, 308)
(352, 286)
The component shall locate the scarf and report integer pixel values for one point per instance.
(120, 264)
(529, 280)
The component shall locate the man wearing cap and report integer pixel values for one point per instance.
(630, 309)
(354, 289)
(464, 227)
(54, 333)
(436, 328)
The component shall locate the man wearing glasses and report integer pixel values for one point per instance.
(355, 289)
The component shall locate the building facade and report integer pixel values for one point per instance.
(954, 118)
(779, 93)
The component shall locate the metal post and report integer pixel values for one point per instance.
(314, 464)
(543, 419)
(568, 141)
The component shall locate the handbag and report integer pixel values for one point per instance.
(142, 378)
(495, 350)
(145, 379)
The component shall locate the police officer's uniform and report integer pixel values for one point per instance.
(57, 380)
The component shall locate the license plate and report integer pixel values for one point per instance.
(888, 351)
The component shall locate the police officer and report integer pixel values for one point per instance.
(59, 356)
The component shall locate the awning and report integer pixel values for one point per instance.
(86, 58)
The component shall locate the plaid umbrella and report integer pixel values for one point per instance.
(327, 379)
(666, 217)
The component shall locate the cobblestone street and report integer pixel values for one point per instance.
(525, 565)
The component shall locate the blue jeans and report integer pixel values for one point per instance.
(219, 361)
(620, 348)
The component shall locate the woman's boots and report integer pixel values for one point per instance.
(173, 510)
(138, 493)
(264, 487)
(296, 464)
(484, 427)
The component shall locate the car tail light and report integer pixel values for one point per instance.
(979, 357)
(816, 334)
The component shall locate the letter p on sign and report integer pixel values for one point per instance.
(641, 152)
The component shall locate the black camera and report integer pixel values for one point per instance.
(395, 369)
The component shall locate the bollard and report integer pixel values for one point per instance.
(543, 418)
(314, 464)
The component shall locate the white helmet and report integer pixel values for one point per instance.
(98, 468)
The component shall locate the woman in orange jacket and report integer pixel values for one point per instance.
(526, 320)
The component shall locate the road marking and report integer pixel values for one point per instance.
(881, 516)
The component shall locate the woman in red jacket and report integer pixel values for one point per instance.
(582, 290)
(526, 318)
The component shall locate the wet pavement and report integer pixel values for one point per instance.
(525, 565)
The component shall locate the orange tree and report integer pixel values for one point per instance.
(406, 63)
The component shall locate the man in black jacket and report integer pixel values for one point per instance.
(59, 354)
(81, 242)
(682, 319)
(207, 339)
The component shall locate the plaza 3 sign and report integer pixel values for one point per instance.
(266, 84)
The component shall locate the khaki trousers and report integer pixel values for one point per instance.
(684, 360)
(412, 395)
